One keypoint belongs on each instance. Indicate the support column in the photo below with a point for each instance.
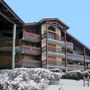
(84, 59)
(65, 50)
(13, 46)
(46, 45)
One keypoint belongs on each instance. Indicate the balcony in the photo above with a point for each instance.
(53, 51)
(30, 37)
(75, 67)
(69, 45)
(30, 50)
(88, 57)
(6, 45)
(31, 63)
(75, 57)
(51, 63)
(55, 39)
(7, 42)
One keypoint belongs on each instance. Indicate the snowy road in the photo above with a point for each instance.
(69, 85)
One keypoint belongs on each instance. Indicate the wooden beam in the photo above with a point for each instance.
(52, 31)
(55, 24)
(4, 10)
(84, 59)
(6, 17)
(47, 44)
(65, 49)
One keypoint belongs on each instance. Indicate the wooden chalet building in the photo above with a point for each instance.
(44, 44)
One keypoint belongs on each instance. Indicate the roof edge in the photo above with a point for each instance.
(79, 41)
(47, 19)
(12, 12)
(50, 19)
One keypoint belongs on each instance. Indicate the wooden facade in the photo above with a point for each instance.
(42, 44)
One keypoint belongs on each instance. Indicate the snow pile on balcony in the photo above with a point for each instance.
(27, 79)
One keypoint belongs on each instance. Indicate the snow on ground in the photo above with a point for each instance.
(27, 79)
(36, 79)
(66, 84)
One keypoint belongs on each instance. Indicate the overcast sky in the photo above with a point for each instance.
(75, 13)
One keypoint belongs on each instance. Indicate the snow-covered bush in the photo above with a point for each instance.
(27, 79)
(76, 75)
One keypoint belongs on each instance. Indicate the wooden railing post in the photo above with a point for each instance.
(13, 46)
(84, 59)
(46, 45)
(65, 50)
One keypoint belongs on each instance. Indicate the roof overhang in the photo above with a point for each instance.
(80, 44)
(7, 13)
(58, 21)
(51, 21)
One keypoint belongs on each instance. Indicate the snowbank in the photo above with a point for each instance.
(27, 79)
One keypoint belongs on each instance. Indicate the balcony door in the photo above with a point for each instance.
(51, 35)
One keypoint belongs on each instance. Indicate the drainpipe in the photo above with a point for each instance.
(13, 46)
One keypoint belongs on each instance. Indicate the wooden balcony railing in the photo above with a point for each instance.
(57, 37)
(75, 67)
(88, 57)
(69, 45)
(51, 49)
(7, 42)
(75, 56)
(88, 68)
(31, 63)
(51, 62)
(31, 36)
(30, 50)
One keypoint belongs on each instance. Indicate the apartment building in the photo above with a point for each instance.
(45, 44)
